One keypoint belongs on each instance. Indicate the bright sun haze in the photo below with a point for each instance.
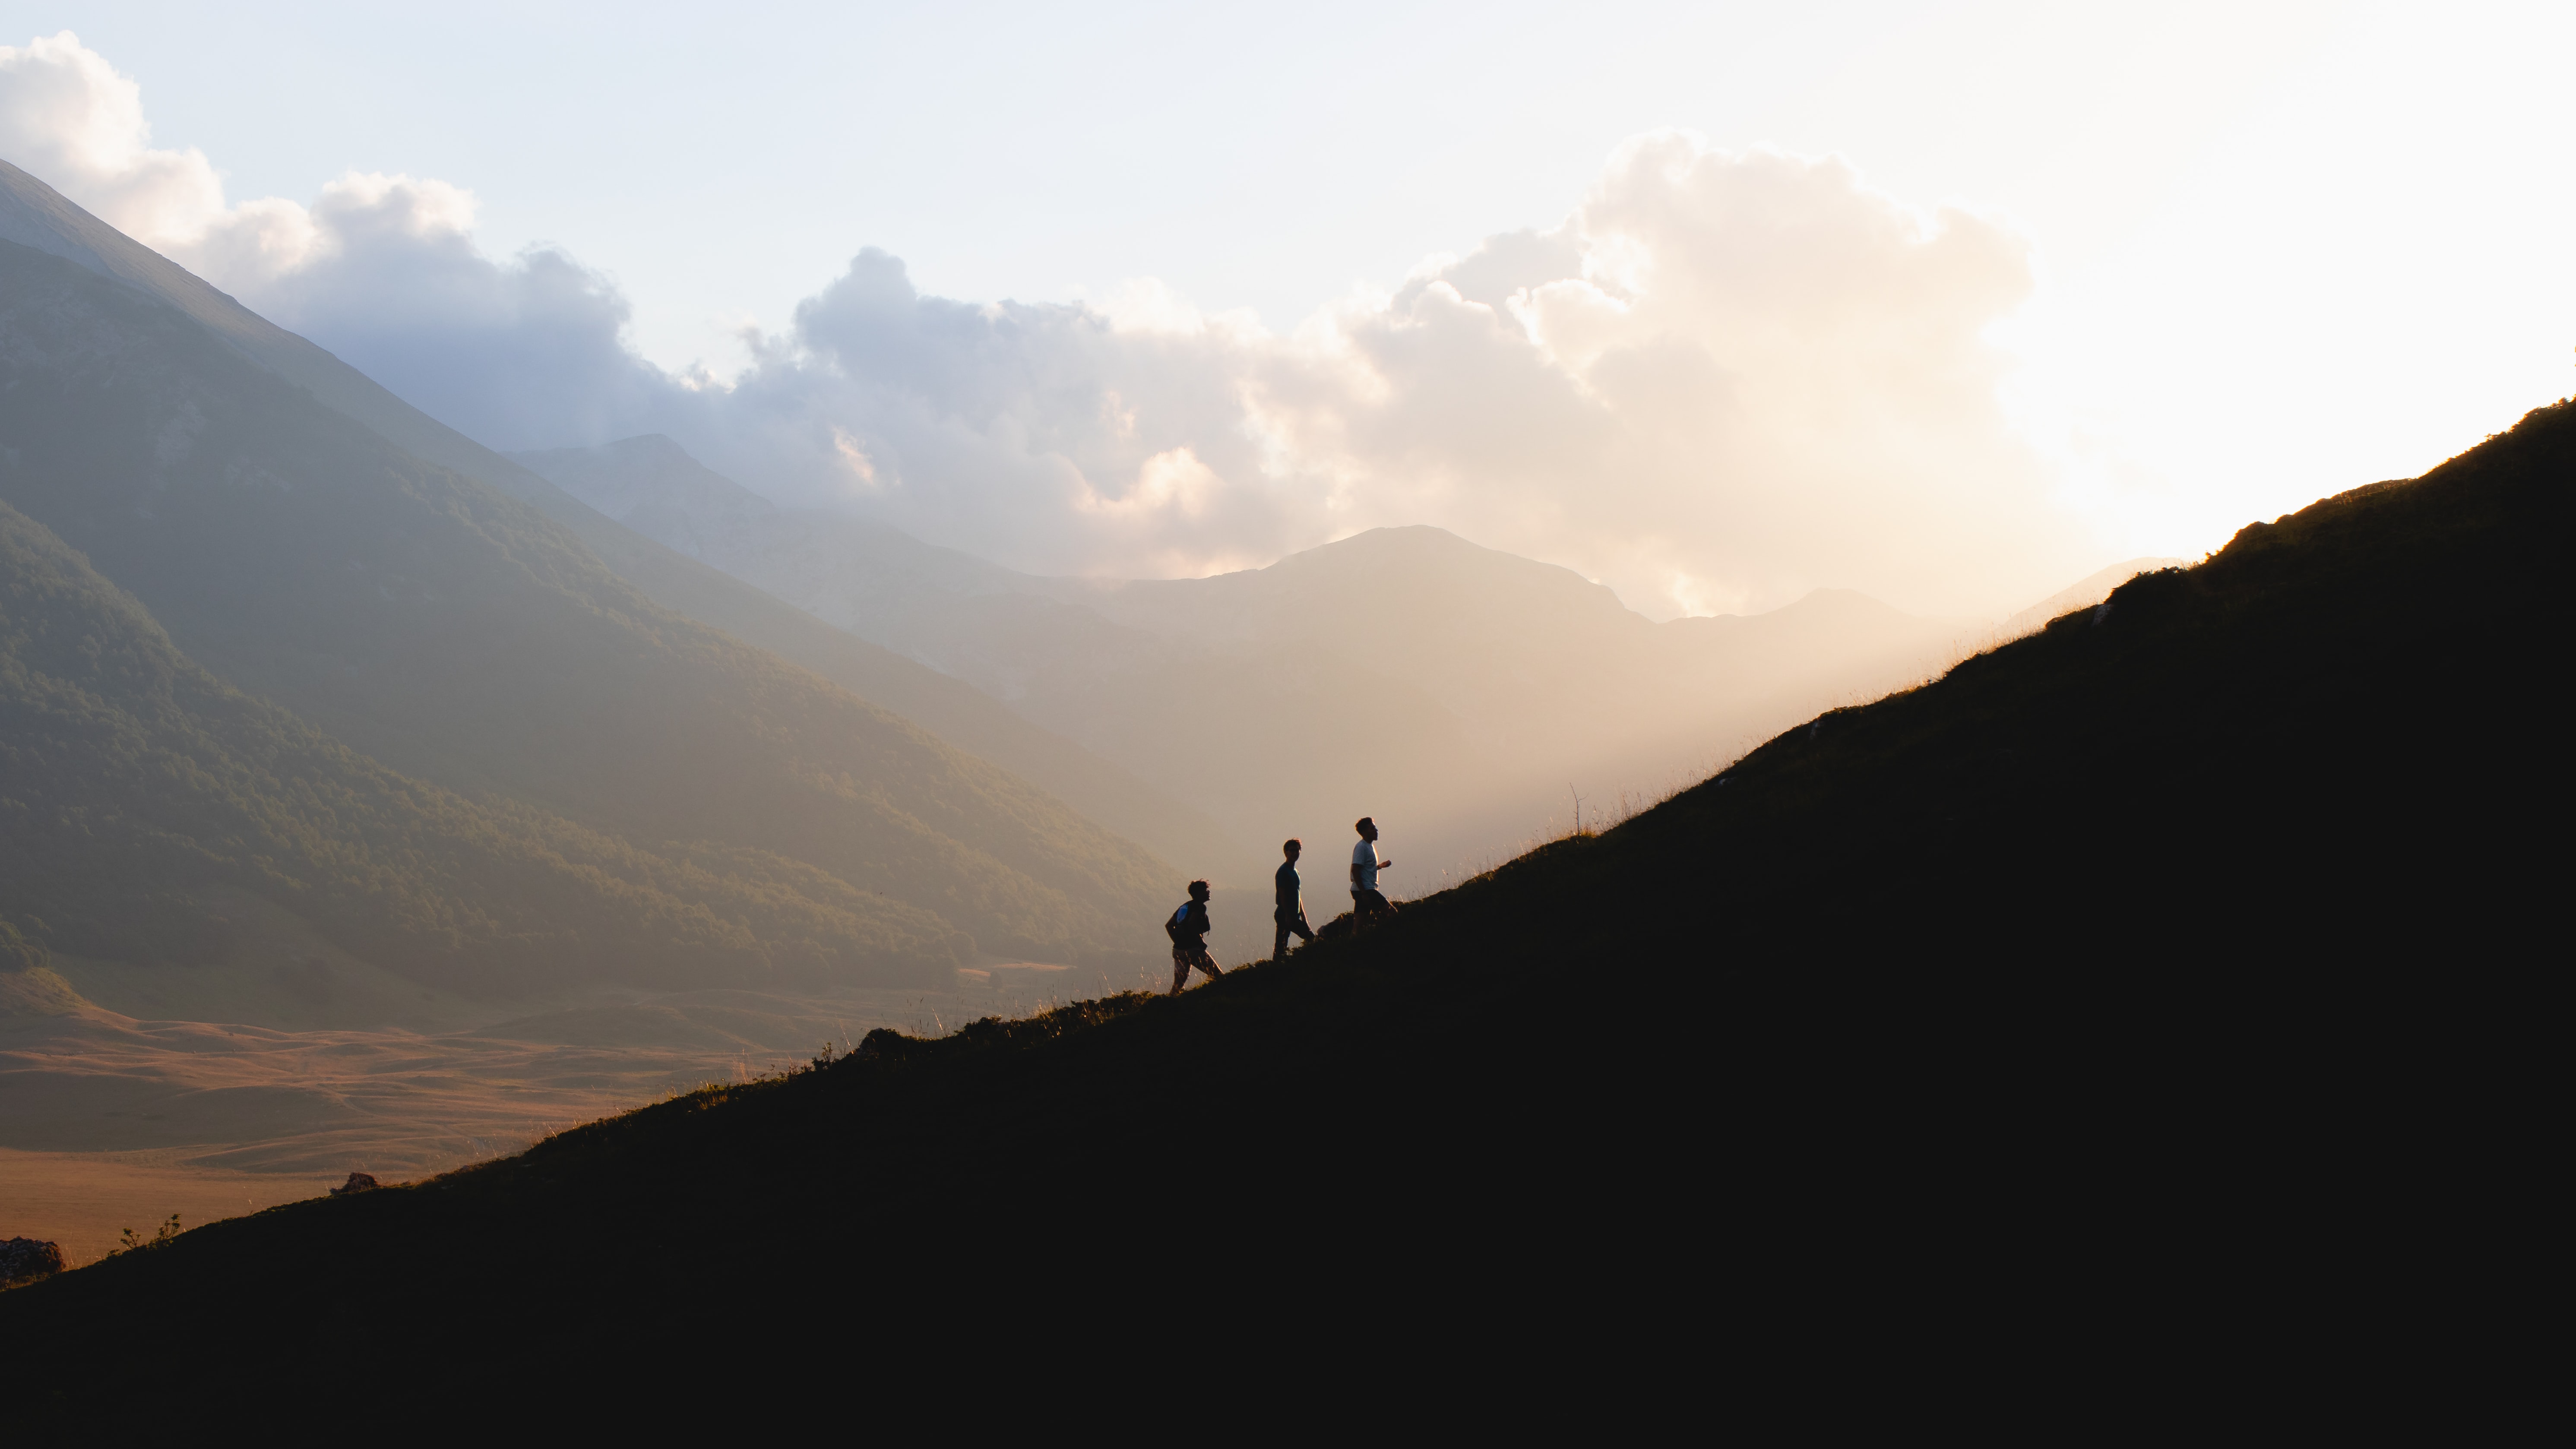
(1715, 304)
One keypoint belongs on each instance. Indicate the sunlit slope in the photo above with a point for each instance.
(134, 784)
(455, 634)
(35, 215)
(2152, 909)
(28, 987)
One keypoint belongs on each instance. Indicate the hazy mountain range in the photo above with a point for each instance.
(33, 215)
(465, 638)
(1455, 692)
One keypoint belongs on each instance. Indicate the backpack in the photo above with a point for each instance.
(1178, 927)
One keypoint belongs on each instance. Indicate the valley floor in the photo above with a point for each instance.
(82, 1201)
(110, 1121)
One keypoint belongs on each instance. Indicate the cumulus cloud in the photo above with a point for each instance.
(381, 269)
(65, 113)
(1726, 378)
(520, 352)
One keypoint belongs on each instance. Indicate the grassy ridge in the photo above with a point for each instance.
(1987, 987)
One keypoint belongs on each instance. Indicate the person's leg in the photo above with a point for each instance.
(1180, 971)
(1206, 963)
(1290, 923)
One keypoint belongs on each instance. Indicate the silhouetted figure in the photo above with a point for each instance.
(1365, 864)
(1288, 907)
(1188, 929)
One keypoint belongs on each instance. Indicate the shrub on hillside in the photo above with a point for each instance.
(17, 953)
(24, 1260)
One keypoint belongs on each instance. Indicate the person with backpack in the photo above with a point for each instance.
(1288, 911)
(1188, 928)
(1366, 900)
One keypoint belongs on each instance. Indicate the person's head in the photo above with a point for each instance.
(1291, 846)
(1366, 827)
(1198, 890)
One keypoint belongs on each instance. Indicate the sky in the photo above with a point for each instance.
(1952, 303)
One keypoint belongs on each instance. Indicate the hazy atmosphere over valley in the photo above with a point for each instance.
(555, 560)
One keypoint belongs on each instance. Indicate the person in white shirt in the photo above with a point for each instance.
(1366, 901)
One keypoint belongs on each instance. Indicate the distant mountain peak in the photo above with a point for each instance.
(656, 447)
(1401, 540)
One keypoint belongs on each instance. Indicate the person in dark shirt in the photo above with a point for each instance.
(1188, 929)
(1288, 911)
(1367, 901)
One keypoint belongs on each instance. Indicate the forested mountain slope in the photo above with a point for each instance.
(34, 215)
(2164, 939)
(458, 635)
(133, 784)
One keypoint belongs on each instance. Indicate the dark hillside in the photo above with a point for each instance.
(133, 783)
(2144, 950)
(454, 634)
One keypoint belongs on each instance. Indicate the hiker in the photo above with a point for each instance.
(1188, 929)
(1365, 864)
(1288, 910)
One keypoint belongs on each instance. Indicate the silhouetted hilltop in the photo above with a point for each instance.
(2086, 592)
(2154, 927)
